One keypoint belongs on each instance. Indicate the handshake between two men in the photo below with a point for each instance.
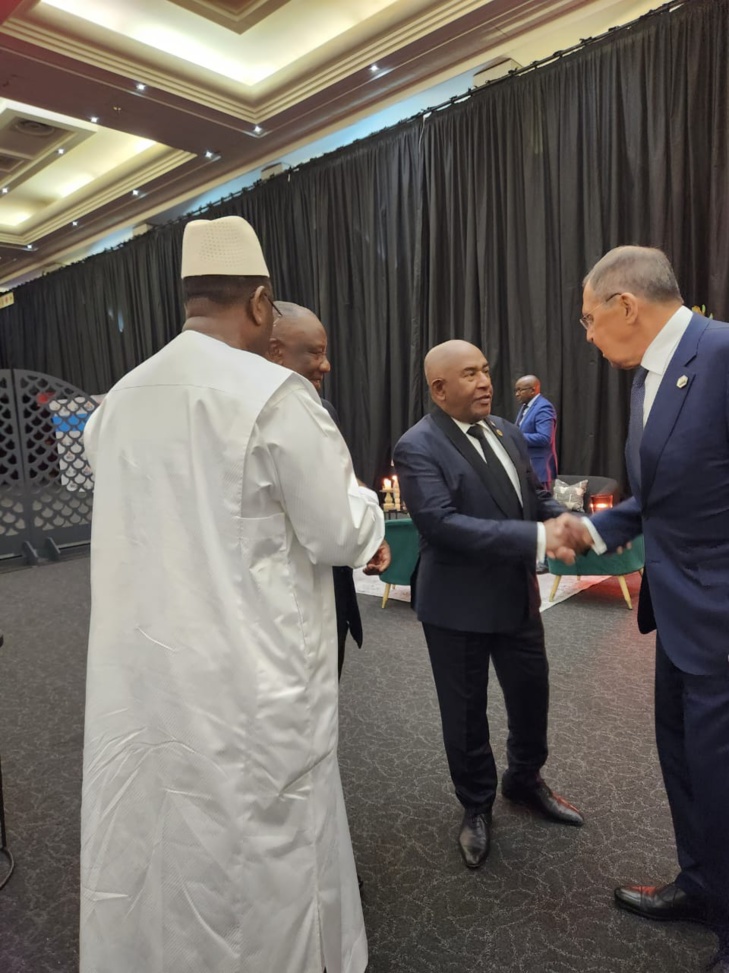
(567, 536)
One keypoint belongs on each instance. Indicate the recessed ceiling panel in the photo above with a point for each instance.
(288, 32)
(237, 15)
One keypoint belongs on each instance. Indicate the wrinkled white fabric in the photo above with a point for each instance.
(214, 834)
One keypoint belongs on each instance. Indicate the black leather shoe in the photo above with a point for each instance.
(664, 902)
(542, 799)
(475, 838)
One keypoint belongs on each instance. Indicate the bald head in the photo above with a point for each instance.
(459, 380)
(299, 342)
(526, 388)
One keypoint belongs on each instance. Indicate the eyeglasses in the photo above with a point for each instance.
(278, 312)
(587, 319)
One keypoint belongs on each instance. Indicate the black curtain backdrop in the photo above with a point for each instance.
(476, 221)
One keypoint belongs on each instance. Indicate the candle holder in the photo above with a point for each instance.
(601, 501)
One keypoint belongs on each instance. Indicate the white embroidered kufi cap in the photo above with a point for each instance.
(228, 246)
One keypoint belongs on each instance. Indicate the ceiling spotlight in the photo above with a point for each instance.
(258, 129)
(140, 86)
(209, 154)
(94, 119)
(29, 246)
(61, 151)
(373, 68)
(74, 222)
(135, 192)
(4, 190)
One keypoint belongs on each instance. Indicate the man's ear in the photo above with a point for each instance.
(260, 308)
(437, 390)
(275, 351)
(630, 305)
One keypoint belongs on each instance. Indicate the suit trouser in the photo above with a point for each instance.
(692, 734)
(460, 662)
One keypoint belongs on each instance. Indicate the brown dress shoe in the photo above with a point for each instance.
(662, 902)
(475, 838)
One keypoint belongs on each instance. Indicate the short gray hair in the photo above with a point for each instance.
(643, 271)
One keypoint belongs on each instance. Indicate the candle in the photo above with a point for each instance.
(387, 484)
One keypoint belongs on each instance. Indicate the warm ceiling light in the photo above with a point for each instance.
(94, 119)
(141, 87)
(374, 67)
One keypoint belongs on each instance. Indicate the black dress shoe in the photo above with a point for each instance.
(542, 799)
(475, 838)
(660, 902)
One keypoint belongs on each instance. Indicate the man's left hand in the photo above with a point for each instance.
(380, 561)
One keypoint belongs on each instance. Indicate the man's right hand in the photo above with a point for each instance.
(567, 536)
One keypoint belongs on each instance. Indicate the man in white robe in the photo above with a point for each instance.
(214, 835)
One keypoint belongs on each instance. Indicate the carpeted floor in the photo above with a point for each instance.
(541, 904)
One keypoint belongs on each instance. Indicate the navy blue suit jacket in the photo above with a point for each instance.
(477, 565)
(683, 504)
(539, 428)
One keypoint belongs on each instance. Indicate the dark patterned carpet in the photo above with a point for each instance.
(542, 903)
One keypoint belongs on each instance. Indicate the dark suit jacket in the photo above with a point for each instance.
(683, 504)
(345, 594)
(477, 565)
(539, 428)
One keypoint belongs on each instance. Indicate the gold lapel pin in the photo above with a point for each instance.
(682, 382)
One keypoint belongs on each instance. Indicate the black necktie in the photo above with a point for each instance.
(496, 467)
(635, 429)
(521, 416)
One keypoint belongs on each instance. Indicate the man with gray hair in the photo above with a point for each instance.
(677, 456)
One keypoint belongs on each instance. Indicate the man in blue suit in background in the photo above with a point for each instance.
(471, 491)
(678, 464)
(537, 422)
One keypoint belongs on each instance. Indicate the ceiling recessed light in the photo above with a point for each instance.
(258, 129)
(94, 119)
(4, 190)
(209, 154)
(29, 246)
(135, 192)
(74, 222)
(61, 151)
(141, 87)
(374, 67)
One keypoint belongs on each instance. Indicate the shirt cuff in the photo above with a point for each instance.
(598, 544)
(541, 543)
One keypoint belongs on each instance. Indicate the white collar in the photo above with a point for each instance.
(660, 351)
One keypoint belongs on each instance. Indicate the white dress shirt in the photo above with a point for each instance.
(655, 360)
(505, 460)
(659, 353)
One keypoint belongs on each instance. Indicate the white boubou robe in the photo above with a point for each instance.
(214, 834)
